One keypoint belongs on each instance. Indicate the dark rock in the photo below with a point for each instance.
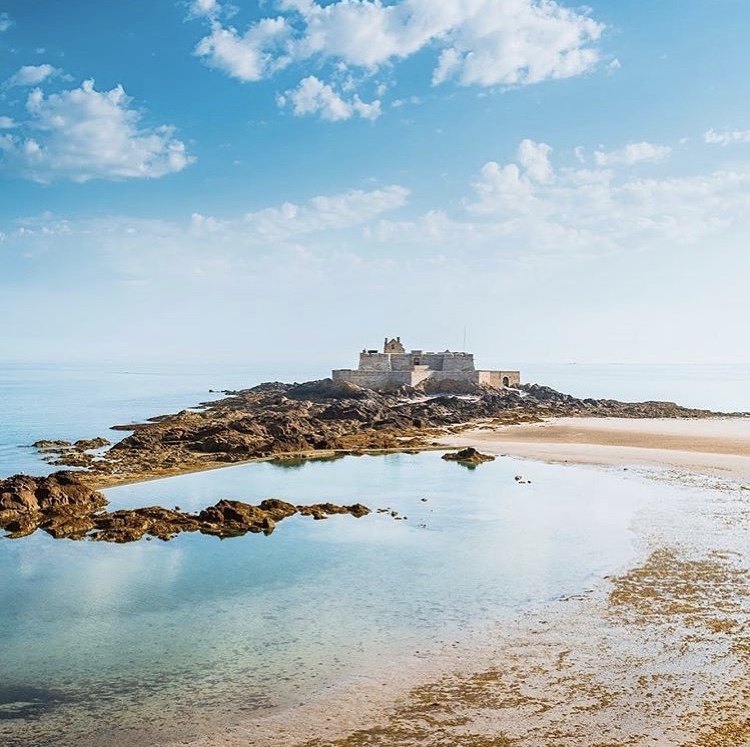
(468, 455)
(61, 499)
(47, 444)
(324, 510)
(91, 443)
(281, 420)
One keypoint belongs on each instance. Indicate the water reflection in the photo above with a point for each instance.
(155, 638)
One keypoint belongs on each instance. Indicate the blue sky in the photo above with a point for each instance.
(205, 180)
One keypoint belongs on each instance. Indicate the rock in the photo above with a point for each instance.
(233, 518)
(324, 510)
(47, 444)
(282, 420)
(65, 507)
(53, 502)
(47, 495)
(468, 456)
(131, 525)
(91, 443)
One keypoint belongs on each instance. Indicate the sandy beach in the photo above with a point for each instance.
(655, 655)
(715, 446)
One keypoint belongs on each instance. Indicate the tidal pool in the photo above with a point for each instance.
(145, 643)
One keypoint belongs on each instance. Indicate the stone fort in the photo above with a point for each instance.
(395, 367)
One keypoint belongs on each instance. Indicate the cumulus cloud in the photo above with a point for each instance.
(5, 22)
(534, 158)
(32, 75)
(727, 137)
(312, 96)
(479, 42)
(602, 209)
(254, 55)
(6, 123)
(631, 154)
(513, 43)
(84, 134)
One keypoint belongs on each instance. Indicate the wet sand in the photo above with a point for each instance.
(712, 446)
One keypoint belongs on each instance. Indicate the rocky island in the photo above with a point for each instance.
(272, 421)
(276, 420)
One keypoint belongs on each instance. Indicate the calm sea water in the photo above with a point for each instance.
(136, 644)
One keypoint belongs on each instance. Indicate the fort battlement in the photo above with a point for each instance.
(395, 367)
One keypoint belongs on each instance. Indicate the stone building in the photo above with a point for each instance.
(395, 367)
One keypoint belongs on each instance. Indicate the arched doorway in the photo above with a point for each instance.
(506, 381)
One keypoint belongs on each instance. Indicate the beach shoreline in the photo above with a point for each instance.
(717, 446)
(607, 666)
(655, 654)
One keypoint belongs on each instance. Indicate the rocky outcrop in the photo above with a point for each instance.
(468, 456)
(27, 503)
(324, 510)
(269, 420)
(91, 443)
(276, 419)
(64, 507)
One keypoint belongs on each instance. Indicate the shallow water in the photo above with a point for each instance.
(112, 645)
(49, 402)
(132, 644)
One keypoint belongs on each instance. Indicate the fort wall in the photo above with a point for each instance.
(373, 379)
(395, 367)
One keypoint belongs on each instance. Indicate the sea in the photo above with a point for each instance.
(152, 642)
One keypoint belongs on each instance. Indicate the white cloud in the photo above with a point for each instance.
(534, 157)
(327, 212)
(6, 123)
(601, 209)
(208, 8)
(32, 75)
(513, 43)
(312, 96)
(727, 137)
(477, 42)
(249, 57)
(5, 22)
(321, 214)
(632, 153)
(84, 134)
(613, 65)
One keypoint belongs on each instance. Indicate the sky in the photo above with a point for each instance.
(267, 182)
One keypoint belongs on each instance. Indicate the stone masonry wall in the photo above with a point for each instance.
(373, 379)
